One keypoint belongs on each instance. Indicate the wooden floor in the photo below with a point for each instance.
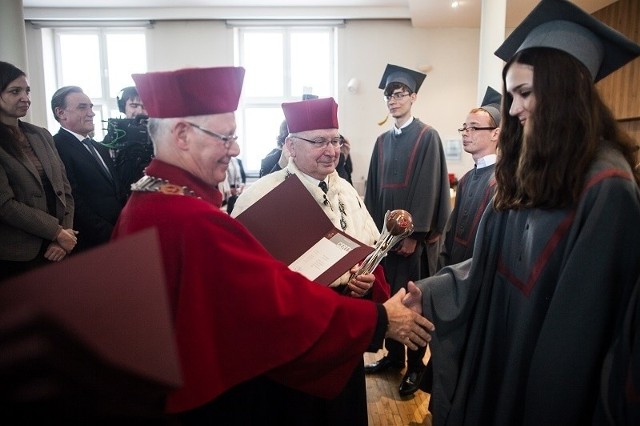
(386, 406)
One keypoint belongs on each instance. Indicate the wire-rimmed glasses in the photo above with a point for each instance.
(226, 140)
(321, 143)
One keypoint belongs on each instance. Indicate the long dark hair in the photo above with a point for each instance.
(9, 73)
(547, 168)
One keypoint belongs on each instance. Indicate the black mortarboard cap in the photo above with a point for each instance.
(491, 103)
(562, 25)
(395, 74)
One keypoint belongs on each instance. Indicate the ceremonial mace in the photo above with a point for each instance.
(398, 225)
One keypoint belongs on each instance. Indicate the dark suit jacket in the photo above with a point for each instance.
(269, 164)
(98, 200)
(24, 220)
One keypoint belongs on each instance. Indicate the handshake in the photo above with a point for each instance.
(406, 323)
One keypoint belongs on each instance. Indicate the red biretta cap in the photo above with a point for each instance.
(190, 91)
(311, 114)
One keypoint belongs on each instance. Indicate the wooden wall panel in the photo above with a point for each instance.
(632, 128)
(621, 90)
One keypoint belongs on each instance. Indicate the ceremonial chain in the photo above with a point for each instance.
(343, 223)
(154, 184)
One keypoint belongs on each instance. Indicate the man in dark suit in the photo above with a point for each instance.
(89, 168)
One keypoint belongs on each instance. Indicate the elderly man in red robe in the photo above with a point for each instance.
(243, 321)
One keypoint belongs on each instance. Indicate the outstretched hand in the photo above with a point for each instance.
(405, 325)
(413, 298)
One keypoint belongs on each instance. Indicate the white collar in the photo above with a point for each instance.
(486, 161)
(398, 131)
(77, 135)
(308, 178)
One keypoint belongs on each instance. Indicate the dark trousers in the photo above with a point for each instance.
(10, 268)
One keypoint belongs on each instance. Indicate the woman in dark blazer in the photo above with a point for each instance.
(36, 206)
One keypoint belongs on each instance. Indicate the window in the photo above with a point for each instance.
(282, 64)
(100, 61)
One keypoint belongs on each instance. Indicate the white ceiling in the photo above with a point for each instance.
(423, 13)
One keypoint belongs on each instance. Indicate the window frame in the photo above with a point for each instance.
(105, 106)
(271, 102)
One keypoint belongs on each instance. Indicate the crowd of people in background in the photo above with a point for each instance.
(526, 293)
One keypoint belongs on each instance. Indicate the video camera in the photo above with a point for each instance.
(123, 132)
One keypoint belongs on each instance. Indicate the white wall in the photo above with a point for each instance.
(35, 73)
(447, 94)
(364, 46)
(180, 44)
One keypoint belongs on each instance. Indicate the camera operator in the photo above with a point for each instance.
(128, 140)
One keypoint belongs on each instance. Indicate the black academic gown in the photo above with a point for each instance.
(619, 401)
(475, 190)
(408, 171)
(523, 327)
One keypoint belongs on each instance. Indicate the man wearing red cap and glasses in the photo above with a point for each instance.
(314, 146)
(242, 321)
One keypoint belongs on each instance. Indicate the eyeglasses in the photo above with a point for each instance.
(471, 129)
(226, 140)
(396, 96)
(321, 143)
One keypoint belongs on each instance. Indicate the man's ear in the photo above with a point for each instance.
(59, 112)
(290, 146)
(180, 131)
(496, 134)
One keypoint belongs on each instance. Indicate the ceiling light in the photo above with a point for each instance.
(454, 4)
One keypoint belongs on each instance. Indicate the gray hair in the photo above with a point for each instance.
(158, 128)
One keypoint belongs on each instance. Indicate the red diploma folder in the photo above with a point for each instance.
(293, 228)
(99, 330)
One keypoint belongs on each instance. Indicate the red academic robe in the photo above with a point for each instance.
(238, 312)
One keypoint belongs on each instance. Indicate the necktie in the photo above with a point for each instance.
(96, 156)
(325, 189)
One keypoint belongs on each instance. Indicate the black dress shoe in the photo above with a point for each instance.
(382, 365)
(411, 381)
